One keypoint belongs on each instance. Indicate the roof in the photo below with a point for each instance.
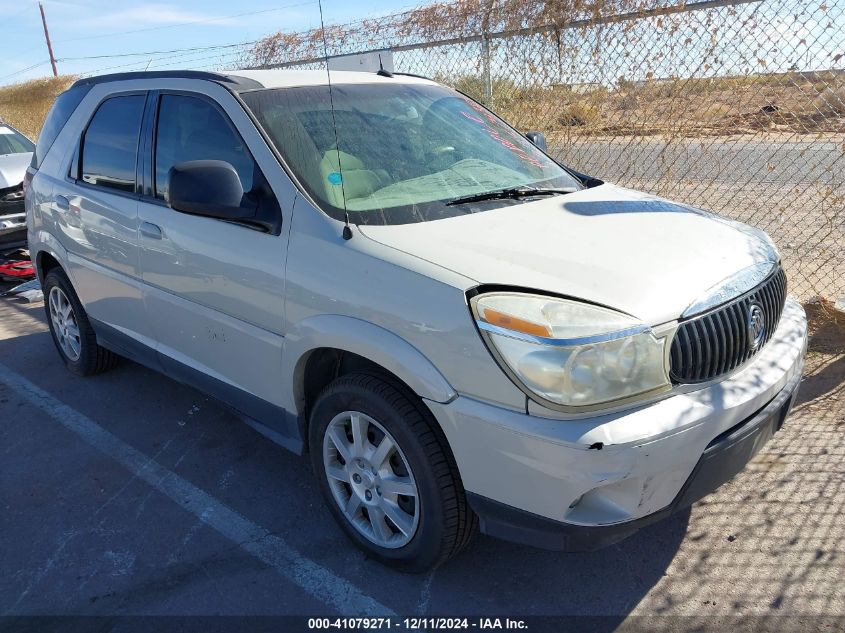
(244, 80)
(292, 78)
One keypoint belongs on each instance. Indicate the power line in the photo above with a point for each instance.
(23, 70)
(8, 18)
(147, 53)
(180, 24)
(166, 26)
(184, 58)
(187, 55)
(191, 62)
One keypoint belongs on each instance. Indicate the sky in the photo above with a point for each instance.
(153, 34)
(92, 28)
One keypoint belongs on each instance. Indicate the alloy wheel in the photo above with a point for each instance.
(371, 479)
(65, 326)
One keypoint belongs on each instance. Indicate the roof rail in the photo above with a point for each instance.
(413, 75)
(232, 81)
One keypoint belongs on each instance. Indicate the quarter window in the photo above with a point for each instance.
(110, 145)
(190, 128)
(65, 105)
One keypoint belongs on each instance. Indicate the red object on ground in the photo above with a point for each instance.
(16, 270)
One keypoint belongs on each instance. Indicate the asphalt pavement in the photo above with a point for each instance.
(130, 494)
(789, 185)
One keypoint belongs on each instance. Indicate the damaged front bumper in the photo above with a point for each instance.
(12, 218)
(587, 483)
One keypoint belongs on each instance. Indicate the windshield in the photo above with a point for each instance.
(405, 150)
(13, 142)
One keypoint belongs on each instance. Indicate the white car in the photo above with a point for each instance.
(15, 156)
(381, 273)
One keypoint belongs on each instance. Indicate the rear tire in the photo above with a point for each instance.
(405, 505)
(72, 333)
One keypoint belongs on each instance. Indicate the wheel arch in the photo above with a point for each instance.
(45, 262)
(324, 347)
(47, 253)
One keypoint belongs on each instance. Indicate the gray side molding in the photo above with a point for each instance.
(365, 339)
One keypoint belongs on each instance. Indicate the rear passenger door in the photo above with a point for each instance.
(95, 213)
(215, 288)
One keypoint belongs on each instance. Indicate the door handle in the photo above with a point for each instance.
(62, 203)
(153, 231)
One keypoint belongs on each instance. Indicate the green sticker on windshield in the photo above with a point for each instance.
(335, 178)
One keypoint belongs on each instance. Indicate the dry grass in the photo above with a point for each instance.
(579, 113)
(25, 105)
(788, 102)
(827, 326)
(830, 101)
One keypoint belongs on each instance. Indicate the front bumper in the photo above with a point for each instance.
(12, 219)
(585, 483)
(723, 458)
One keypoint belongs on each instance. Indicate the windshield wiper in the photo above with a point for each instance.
(509, 193)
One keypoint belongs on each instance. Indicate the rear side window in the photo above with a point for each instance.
(13, 142)
(63, 107)
(190, 128)
(110, 145)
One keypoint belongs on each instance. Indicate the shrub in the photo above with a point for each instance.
(831, 101)
(579, 113)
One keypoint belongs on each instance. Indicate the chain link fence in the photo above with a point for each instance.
(737, 106)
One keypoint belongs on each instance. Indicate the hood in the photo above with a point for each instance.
(12, 168)
(627, 250)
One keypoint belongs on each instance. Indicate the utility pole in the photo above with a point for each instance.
(47, 37)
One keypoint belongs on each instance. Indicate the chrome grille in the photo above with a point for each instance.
(717, 342)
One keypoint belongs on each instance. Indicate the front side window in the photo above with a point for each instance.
(400, 152)
(13, 142)
(110, 145)
(191, 128)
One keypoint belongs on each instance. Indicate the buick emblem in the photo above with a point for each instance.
(756, 327)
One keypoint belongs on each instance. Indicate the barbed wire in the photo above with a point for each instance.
(733, 105)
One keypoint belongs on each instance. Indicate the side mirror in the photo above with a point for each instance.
(209, 188)
(538, 138)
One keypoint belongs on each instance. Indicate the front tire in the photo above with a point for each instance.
(386, 473)
(72, 333)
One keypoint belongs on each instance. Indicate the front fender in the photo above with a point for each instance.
(372, 342)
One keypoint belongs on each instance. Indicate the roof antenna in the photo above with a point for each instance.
(381, 71)
(347, 231)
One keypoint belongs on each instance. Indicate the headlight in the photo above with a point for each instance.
(569, 353)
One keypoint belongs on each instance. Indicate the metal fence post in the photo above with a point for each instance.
(488, 81)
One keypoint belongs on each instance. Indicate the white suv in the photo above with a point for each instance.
(458, 330)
